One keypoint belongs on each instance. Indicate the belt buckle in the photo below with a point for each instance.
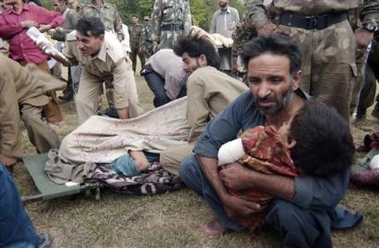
(311, 22)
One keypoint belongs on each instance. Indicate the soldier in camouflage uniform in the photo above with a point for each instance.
(327, 40)
(136, 36)
(170, 19)
(244, 32)
(108, 14)
(147, 43)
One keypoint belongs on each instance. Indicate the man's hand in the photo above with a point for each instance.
(44, 47)
(42, 28)
(29, 24)
(266, 29)
(363, 38)
(123, 113)
(142, 49)
(236, 176)
(7, 161)
(155, 46)
(241, 206)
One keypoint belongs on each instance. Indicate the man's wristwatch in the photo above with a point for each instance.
(370, 26)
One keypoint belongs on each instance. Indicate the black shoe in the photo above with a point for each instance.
(375, 113)
(69, 96)
(361, 114)
(45, 240)
(110, 112)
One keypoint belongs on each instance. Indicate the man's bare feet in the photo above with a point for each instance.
(214, 229)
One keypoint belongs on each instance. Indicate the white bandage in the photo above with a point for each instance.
(374, 162)
(230, 152)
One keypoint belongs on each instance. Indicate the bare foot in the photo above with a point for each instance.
(214, 229)
(140, 159)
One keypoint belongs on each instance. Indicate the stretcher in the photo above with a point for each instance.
(48, 190)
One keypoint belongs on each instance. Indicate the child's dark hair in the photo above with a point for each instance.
(324, 145)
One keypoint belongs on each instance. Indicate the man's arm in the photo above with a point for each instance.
(197, 107)
(8, 30)
(307, 192)
(47, 19)
(118, 25)
(256, 10)
(369, 13)
(209, 167)
(239, 177)
(122, 78)
(187, 21)
(156, 20)
(212, 27)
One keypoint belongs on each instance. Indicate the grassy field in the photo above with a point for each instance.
(167, 220)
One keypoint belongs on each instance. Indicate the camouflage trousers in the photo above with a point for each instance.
(168, 38)
(328, 63)
(371, 74)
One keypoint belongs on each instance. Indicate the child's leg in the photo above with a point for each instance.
(140, 159)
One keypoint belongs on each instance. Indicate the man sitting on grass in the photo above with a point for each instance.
(304, 208)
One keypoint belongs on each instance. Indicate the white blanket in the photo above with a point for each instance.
(102, 139)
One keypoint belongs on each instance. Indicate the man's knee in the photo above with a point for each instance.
(188, 169)
(297, 226)
(171, 157)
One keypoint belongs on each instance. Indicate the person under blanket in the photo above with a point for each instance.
(168, 131)
(316, 141)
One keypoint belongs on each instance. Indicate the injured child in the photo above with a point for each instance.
(315, 141)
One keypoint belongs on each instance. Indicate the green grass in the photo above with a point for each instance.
(167, 220)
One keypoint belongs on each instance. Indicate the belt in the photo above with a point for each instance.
(171, 27)
(311, 22)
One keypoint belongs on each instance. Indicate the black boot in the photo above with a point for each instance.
(67, 96)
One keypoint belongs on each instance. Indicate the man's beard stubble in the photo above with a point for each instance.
(281, 105)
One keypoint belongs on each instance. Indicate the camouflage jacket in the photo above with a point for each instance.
(369, 9)
(136, 35)
(108, 14)
(243, 33)
(170, 12)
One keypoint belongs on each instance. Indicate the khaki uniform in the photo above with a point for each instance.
(209, 91)
(170, 19)
(110, 65)
(25, 89)
(328, 61)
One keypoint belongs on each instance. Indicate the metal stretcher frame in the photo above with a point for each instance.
(48, 190)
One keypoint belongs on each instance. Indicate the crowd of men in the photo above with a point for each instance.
(331, 56)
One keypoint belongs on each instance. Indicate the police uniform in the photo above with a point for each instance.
(25, 90)
(110, 66)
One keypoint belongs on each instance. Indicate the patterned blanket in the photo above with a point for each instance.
(154, 180)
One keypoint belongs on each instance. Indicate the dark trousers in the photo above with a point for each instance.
(296, 226)
(156, 84)
(133, 57)
(16, 228)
